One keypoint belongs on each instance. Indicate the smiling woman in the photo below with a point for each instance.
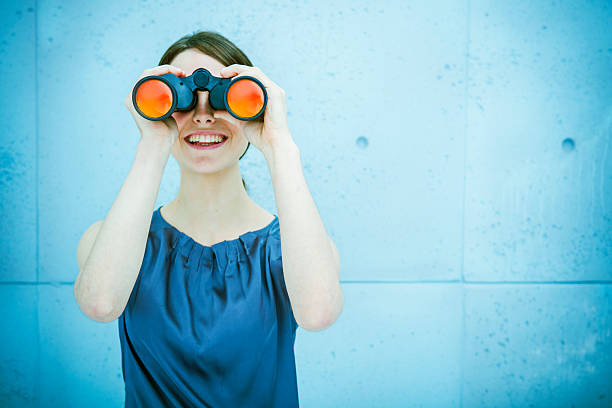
(207, 320)
(214, 45)
(203, 300)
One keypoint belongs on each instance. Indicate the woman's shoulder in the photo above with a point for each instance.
(273, 227)
(263, 220)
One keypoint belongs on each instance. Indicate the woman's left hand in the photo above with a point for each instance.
(273, 131)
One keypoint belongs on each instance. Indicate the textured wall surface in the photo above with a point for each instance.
(459, 153)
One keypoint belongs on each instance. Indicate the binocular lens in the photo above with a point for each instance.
(245, 98)
(154, 98)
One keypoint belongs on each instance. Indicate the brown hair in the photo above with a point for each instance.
(212, 44)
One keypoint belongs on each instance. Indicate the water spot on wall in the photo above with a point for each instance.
(362, 142)
(568, 144)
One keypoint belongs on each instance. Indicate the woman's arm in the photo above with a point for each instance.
(110, 260)
(311, 264)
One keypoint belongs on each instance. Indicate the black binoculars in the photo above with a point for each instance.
(156, 97)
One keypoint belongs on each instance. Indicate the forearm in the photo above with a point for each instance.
(309, 266)
(107, 279)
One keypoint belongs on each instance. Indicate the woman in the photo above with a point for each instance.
(207, 312)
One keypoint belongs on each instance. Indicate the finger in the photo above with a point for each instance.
(167, 68)
(158, 71)
(233, 69)
(162, 69)
(256, 72)
(242, 70)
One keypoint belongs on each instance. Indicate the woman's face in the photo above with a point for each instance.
(204, 117)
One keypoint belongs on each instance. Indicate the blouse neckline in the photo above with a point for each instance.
(218, 244)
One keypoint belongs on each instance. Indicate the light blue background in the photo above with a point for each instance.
(459, 154)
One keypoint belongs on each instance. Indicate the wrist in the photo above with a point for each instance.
(153, 150)
(277, 152)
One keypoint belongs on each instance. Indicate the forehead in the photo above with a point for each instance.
(192, 59)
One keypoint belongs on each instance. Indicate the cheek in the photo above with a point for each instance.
(179, 118)
(239, 132)
(240, 141)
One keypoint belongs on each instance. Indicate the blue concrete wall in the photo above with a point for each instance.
(459, 154)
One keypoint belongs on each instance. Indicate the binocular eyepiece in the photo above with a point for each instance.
(156, 97)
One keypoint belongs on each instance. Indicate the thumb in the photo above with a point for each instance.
(171, 123)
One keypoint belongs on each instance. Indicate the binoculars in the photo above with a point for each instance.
(156, 97)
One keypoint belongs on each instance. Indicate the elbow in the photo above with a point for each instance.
(313, 326)
(100, 312)
(324, 320)
(318, 324)
(104, 315)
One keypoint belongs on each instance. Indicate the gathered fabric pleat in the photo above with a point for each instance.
(209, 326)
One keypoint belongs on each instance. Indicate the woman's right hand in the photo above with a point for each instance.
(164, 132)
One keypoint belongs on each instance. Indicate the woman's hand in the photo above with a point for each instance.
(165, 131)
(273, 131)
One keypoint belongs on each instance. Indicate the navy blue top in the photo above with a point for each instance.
(209, 326)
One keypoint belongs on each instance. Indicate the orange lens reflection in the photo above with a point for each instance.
(154, 98)
(245, 98)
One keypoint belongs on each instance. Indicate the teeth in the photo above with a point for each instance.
(205, 138)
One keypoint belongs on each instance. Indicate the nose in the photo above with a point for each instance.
(203, 112)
